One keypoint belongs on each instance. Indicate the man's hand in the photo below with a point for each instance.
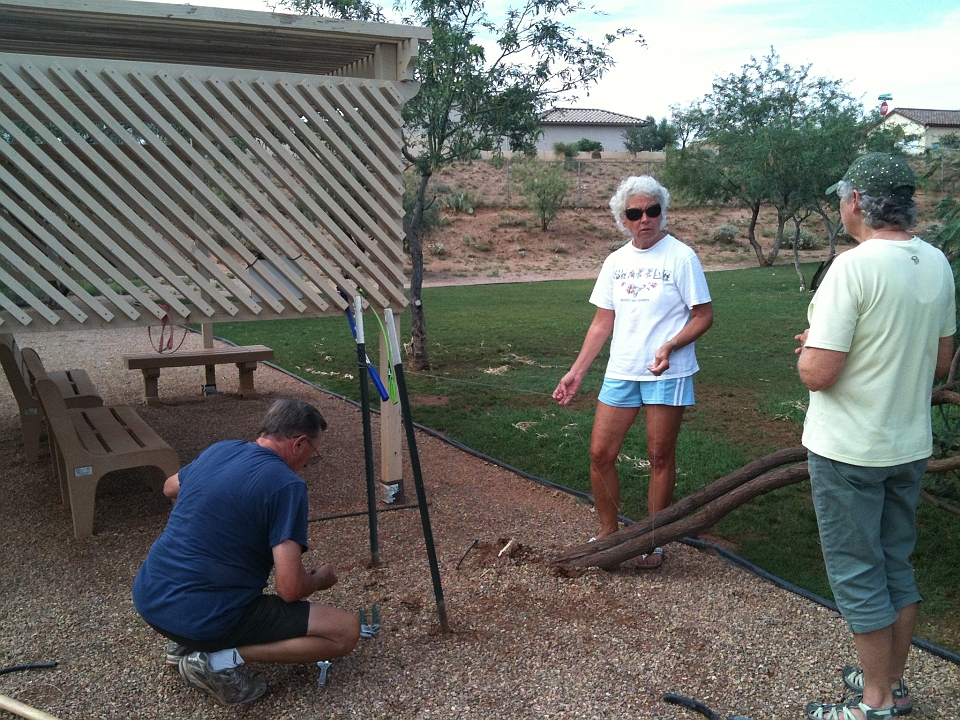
(802, 339)
(325, 576)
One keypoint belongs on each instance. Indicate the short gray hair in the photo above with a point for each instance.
(638, 185)
(882, 212)
(290, 418)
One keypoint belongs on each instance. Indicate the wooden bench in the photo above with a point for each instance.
(22, 369)
(88, 443)
(245, 357)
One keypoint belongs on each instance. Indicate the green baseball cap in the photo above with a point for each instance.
(880, 175)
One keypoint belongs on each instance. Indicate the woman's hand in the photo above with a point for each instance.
(661, 361)
(569, 384)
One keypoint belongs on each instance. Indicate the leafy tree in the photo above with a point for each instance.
(653, 136)
(545, 186)
(588, 145)
(771, 134)
(468, 102)
(950, 140)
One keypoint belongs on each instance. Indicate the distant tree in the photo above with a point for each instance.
(468, 102)
(545, 186)
(950, 140)
(772, 134)
(650, 138)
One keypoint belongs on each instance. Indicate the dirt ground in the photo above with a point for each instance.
(500, 239)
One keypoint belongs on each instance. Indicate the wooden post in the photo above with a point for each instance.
(391, 435)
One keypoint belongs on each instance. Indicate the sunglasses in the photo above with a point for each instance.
(634, 214)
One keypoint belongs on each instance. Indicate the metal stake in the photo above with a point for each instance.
(415, 466)
(367, 433)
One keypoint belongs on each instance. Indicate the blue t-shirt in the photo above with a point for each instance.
(237, 501)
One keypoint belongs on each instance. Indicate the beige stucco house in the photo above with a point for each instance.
(928, 126)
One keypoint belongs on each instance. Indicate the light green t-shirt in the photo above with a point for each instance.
(886, 304)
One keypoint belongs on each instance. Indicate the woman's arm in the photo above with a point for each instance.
(701, 318)
(598, 333)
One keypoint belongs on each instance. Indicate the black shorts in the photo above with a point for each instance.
(267, 619)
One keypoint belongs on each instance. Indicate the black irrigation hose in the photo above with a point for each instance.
(28, 666)
(693, 542)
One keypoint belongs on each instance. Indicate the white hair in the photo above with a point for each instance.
(638, 185)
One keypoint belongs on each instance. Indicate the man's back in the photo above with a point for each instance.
(236, 501)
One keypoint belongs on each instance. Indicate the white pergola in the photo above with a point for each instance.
(196, 163)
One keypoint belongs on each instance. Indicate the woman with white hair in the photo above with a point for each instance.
(652, 297)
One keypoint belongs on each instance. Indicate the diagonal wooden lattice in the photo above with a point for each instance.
(133, 190)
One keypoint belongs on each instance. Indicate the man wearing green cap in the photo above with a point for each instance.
(881, 328)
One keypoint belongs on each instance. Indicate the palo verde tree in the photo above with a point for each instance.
(771, 134)
(469, 101)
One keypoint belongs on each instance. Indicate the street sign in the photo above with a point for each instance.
(885, 96)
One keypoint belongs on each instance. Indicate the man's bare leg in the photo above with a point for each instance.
(331, 633)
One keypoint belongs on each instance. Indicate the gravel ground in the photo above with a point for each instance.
(526, 642)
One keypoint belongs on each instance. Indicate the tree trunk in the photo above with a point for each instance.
(752, 233)
(687, 505)
(419, 354)
(796, 255)
(775, 250)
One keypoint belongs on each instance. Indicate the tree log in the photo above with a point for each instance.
(689, 504)
(693, 524)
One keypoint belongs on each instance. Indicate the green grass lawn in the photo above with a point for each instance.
(499, 351)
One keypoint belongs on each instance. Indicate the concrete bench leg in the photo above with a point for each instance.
(150, 391)
(247, 390)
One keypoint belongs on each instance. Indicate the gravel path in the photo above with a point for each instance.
(526, 642)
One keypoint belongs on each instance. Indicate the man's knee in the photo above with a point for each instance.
(339, 627)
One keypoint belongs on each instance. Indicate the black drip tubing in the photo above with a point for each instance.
(28, 666)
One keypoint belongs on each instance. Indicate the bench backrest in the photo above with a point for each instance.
(17, 375)
(58, 418)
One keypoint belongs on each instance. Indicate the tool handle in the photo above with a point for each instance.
(392, 337)
(358, 317)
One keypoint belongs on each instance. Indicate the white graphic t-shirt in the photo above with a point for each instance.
(651, 292)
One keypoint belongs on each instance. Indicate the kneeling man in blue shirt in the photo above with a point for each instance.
(240, 510)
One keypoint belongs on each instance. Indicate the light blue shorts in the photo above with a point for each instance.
(868, 529)
(636, 393)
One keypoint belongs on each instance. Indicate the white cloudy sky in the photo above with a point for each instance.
(908, 48)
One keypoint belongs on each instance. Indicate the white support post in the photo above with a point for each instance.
(391, 428)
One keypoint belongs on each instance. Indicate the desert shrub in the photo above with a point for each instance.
(590, 146)
(511, 220)
(470, 242)
(558, 249)
(725, 235)
(544, 186)
(437, 249)
(808, 240)
(566, 150)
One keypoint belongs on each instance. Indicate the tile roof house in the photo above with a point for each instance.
(927, 125)
(572, 124)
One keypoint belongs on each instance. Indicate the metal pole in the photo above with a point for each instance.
(415, 466)
(367, 433)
